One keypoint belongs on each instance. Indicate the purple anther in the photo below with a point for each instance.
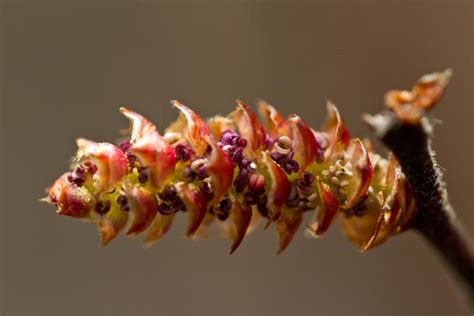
(239, 185)
(291, 166)
(242, 142)
(250, 198)
(107, 206)
(165, 209)
(319, 155)
(279, 158)
(228, 148)
(237, 156)
(190, 175)
(169, 194)
(244, 163)
(308, 178)
(227, 137)
(70, 178)
(142, 175)
(201, 173)
(257, 183)
(122, 199)
(269, 142)
(303, 186)
(206, 190)
(225, 205)
(91, 168)
(79, 182)
(235, 140)
(183, 152)
(131, 159)
(80, 170)
(125, 145)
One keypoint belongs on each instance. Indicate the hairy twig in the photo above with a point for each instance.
(410, 141)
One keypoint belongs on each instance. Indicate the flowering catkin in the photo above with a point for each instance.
(237, 172)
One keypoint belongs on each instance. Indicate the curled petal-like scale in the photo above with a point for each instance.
(157, 155)
(381, 214)
(280, 186)
(112, 222)
(287, 225)
(158, 228)
(306, 146)
(242, 217)
(409, 106)
(327, 209)
(140, 125)
(70, 199)
(110, 160)
(202, 230)
(250, 128)
(237, 225)
(363, 173)
(335, 129)
(151, 148)
(143, 208)
(196, 205)
(221, 169)
(365, 228)
(228, 170)
(275, 123)
(192, 126)
(399, 205)
(218, 125)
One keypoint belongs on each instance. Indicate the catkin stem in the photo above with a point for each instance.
(435, 218)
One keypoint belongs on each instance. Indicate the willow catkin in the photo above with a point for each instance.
(237, 172)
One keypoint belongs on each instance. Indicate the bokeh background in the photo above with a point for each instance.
(68, 65)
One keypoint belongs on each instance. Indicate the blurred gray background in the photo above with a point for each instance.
(68, 65)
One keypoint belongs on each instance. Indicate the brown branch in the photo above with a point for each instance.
(435, 218)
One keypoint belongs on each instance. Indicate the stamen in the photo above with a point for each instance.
(237, 156)
(278, 157)
(250, 198)
(283, 145)
(334, 180)
(257, 183)
(123, 202)
(102, 208)
(206, 189)
(201, 173)
(225, 206)
(166, 209)
(183, 152)
(125, 145)
(142, 175)
(308, 178)
(242, 142)
(344, 183)
(197, 164)
(303, 186)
